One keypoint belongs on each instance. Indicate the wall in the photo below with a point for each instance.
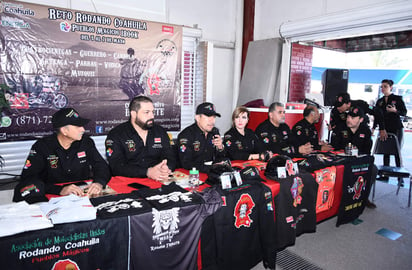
(300, 72)
(270, 14)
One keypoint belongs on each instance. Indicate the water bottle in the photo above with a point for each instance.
(193, 179)
(348, 149)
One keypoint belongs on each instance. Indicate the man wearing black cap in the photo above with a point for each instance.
(340, 110)
(200, 143)
(66, 156)
(139, 147)
(355, 132)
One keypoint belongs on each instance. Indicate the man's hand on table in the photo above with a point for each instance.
(306, 149)
(325, 147)
(92, 189)
(72, 189)
(159, 172)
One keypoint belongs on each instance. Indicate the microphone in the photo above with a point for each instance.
(214, 131)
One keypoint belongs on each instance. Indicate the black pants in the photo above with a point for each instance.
(399, 134)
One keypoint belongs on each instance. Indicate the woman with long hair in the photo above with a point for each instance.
(241, 142)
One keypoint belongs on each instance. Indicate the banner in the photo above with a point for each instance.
(99, 244)
(357, 181)
(52, 58)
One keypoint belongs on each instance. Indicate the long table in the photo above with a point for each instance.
(105, 243)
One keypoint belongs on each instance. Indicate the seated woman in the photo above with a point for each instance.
(242, 143)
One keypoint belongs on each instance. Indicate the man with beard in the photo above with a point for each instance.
(304, 132)
(138, 147)
(200, 143)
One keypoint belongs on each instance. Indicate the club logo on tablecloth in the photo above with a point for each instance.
(165, 224)
(171, 197)
(242, 211)
(114, 206)
(357, 188)
(65, 265)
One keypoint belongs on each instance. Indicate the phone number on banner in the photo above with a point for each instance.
(24, 120)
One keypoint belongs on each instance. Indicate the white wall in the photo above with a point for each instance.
(270, 14)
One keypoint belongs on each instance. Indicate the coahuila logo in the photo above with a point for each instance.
(5, 121)
(12, 8)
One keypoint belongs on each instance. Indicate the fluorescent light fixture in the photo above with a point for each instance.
(375, 19)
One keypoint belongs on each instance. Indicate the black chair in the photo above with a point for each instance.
(391, 147)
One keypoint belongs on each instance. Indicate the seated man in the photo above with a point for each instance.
(355, 132)
(343, 104)
(66, 156)
(139, 147)
(304, 132)
(358, 134)
(274, 133)
(200, 143)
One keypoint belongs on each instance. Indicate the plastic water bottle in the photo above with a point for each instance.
(348, 149)
(193, 179)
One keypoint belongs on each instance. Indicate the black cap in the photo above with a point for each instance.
(32, 192)
(341, 99)
(272, 165)
(356, 111)
(207, 109)
(68, 116)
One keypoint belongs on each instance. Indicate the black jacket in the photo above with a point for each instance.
(239, 147)
(362, 139)
(275, 139)
(195, 149)
(392, 120)
(338, 120)
(304, 132)
(50, 163)
(127, 154)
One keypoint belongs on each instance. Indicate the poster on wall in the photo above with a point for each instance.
(52, 58)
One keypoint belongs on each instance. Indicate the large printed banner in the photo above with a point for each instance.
(99, 244)
(51, 58)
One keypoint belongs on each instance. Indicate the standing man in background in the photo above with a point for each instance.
(139, 147)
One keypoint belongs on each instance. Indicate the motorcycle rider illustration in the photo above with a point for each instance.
(45, 91)
(130, 75)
